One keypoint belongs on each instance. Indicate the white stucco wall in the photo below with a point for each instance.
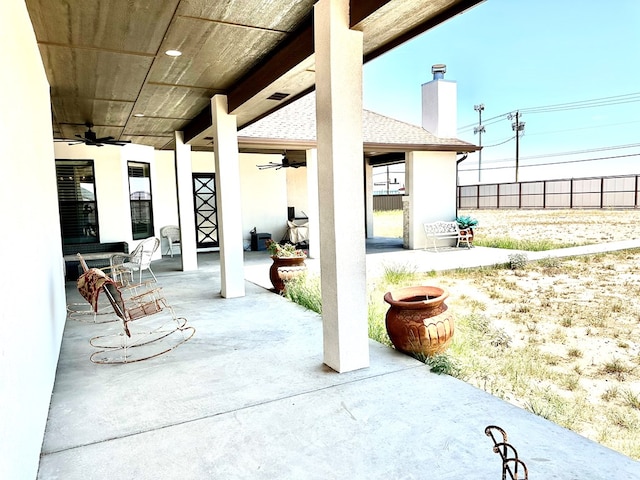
(431, 192)
(33, 311)
(440, 107)
(297, 195)
(264, 196)
(112, 186)
(263, 192)
(164, 190)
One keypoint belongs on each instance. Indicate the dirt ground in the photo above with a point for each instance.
(578, 227)
(577, 318)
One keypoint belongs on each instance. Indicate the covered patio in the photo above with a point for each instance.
(249, 397)
(255, 393)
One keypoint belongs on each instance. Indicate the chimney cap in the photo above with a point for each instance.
(438, 70)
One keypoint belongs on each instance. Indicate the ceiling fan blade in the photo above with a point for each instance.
(277, 166)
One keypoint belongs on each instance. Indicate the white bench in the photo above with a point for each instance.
(439, 230)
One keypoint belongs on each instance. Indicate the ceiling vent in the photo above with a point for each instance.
(278, 96)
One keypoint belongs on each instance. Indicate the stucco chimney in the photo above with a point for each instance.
(440, 104)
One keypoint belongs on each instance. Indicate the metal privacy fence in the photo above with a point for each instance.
(592, 192)
(387, 202)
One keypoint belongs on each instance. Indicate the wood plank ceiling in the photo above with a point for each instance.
(105, 60)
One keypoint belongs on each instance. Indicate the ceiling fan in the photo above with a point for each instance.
(90, 138)
(286, 163)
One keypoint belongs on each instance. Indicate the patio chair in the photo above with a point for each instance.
(157, 330)
(137, 261)
(172, 234)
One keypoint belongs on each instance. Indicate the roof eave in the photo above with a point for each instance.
(247, 143)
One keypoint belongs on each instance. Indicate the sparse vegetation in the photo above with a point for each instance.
(559, 337)
(518, 261)
(305, 290)
(519, 244)
(396, 274)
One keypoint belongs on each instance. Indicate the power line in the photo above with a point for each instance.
(584, 128)
(501, 143)
(487, 121)
(558, 163)
(558, 107)
(571, 152)
(597, 102)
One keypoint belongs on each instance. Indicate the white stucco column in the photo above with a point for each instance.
(431, 192)
(312, 203)
(341, 187)
(225, 144)
(368, 197)
(184, 194)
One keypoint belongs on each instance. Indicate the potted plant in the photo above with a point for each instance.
(466, 224)
(288, 263)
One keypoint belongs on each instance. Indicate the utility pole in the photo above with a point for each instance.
(387, 179)
(517, 126)
(479, 130)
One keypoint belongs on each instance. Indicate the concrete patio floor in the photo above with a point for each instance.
(248, 397)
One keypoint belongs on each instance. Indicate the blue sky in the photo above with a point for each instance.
(518, 55)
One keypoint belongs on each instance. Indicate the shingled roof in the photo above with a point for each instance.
(295, 125)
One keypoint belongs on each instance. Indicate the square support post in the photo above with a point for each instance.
(184, 192)
(341, 187)
(228, 198)
(312, 203)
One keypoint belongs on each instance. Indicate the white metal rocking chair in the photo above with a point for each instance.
(157, 329)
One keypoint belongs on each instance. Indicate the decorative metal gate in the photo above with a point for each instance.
(204, 193)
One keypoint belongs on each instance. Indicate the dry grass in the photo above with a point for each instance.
(559, 337)
(577, 227)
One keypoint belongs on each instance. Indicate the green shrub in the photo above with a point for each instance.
(441, 363)
(395, 274)
(305, 290)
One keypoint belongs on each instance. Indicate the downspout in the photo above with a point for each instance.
(458, 162)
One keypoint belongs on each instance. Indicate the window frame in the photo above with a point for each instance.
(141, 207)
(79, 219)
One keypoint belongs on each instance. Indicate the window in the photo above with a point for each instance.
(77, 201)
(140, 200)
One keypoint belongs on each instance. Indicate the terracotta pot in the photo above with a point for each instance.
(418, 320)
(469, 233)
(285, 268)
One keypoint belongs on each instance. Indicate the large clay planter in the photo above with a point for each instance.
(289, 267)
(468, 233)
(418, 321)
